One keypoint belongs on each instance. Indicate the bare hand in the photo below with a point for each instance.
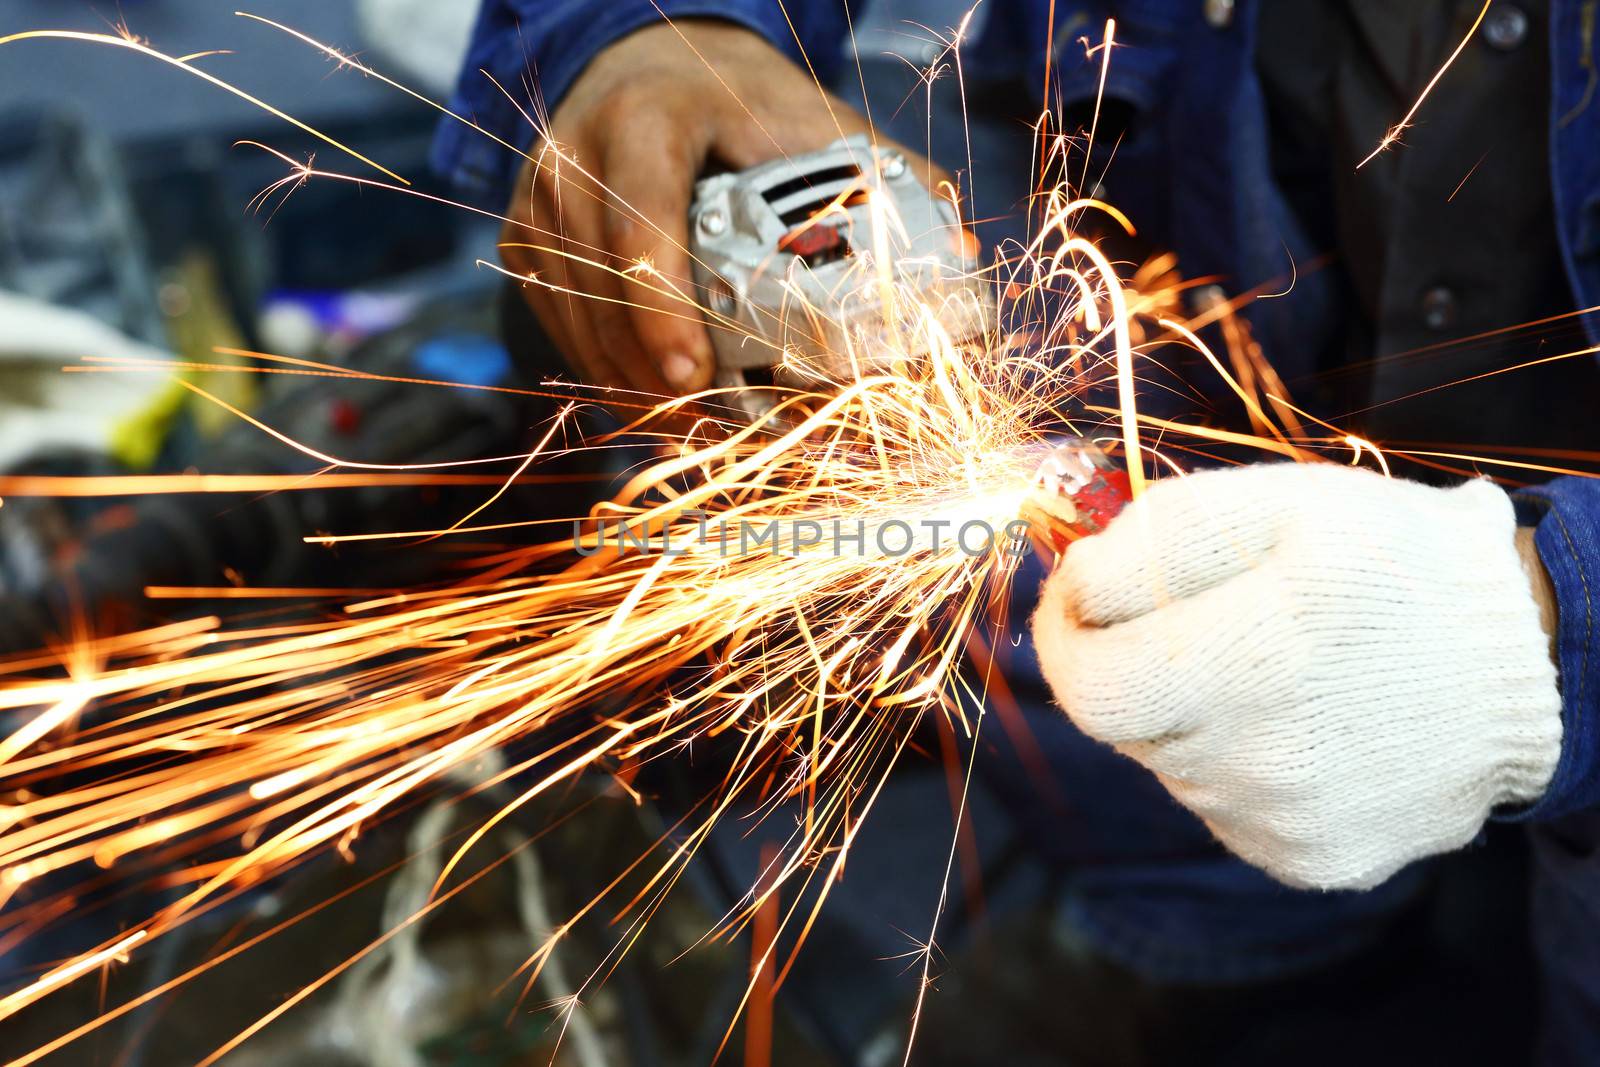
(643, 120)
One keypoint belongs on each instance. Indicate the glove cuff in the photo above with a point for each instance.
(1515, 705)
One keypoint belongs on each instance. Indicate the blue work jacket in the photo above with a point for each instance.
(1149, 886)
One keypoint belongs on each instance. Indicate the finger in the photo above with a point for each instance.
(1185, 535)
(572, 314)
(532, 279)
(613, 320)
(528, 228)
(1158, 675)
(603, 340)
(567, 220)
(647, 230)
(537, 297)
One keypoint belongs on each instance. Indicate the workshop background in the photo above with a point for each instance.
(130, 228)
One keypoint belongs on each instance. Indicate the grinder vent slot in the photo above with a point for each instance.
(823, 182)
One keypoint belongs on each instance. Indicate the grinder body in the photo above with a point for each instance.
(788, 260)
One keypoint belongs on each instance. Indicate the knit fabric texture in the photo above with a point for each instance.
(1339, 672)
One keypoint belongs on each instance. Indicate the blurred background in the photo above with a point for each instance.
(129, 228)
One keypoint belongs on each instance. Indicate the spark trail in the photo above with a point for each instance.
(222, 757)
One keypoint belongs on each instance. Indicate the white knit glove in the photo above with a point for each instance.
(1338, 672)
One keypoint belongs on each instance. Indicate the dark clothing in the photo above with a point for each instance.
(1242, 124)
(1448, 236)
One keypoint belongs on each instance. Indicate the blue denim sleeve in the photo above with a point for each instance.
(535, 50)
(1566, 516)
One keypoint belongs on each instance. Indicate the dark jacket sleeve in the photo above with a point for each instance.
(535, 50)
(1566, 517)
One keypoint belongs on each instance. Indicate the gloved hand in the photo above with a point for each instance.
(1338, 672)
